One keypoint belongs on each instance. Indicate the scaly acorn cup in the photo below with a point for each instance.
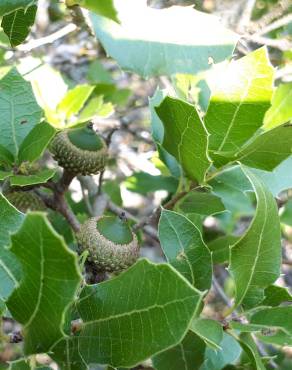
(111, 244)
(25, 201)
(79, 151)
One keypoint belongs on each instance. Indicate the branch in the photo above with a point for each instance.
(275, 25)
(282, 44)
(57, 201)
(151, 231)
(245, 15)
(276, 12)
(221, 292)
(157, 212)
(34, 44)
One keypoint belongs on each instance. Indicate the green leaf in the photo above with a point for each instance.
(184, 248)
(220, 248)
(10, 269)
(276, 317)
(95, 107)
(275, 295)
(113, 190)
(279, 179)
(40, 306)
(19, 365)
(185, 137)
(143, 183)
(19, 110)
(180, 40)
(201, 203)
(36, 142)
(267, 150)
(8, 6)
(106, 8)
(216, 360)
(156, 123)
(10, 273)
(17, 24)
(39, 178)
(245, 328)
(158, 134)
(247, 343)
(286, 216)
(281, 110)
(187, 355)
(145, 302)
(74, 101)
(49, 88)
(66, 354)
(231, 186)
(208, 330)
(5, 174)
(255, 259)
(240, 97)
(5, 156)
(98, 74)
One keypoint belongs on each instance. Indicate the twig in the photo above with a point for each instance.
(156, 213)
(33, 44)
(275, 25)
(57, 201)
(283, 72)
(221, 292)
(276, 12)
(86, 199)
(137, 135)
(151, 231)
(263, 351)
(78, 18)
(110, 134)
(281, 44)
(100, 180)
(245, 16)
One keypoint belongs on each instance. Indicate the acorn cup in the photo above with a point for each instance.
(80, 151)
(111, 244)
(25, 201)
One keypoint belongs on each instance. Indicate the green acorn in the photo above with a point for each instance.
(79, 151)
(111, 244)
(25, 201)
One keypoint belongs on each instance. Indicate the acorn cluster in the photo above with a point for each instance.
(111, 244)
(109, 240)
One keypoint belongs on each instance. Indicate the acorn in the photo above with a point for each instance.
(111, 244)
(25, 201)
(80, 151)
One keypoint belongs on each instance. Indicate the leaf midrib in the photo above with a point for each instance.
(143, 310)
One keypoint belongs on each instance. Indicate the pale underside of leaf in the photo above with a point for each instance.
(180, 39)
